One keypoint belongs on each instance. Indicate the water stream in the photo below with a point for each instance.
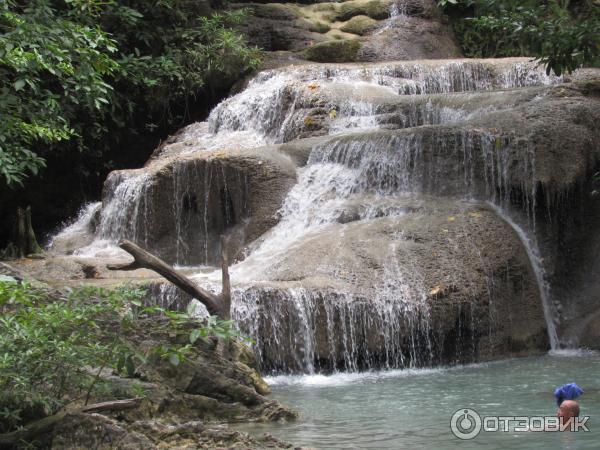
(537, 264)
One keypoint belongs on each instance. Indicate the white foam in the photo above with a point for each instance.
(81, 223)
(573, 352)
(348, 378)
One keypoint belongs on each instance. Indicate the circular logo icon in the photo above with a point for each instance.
(465, 424)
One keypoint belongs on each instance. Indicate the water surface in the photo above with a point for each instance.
(412, 408)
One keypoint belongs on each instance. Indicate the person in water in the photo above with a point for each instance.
(568, 407)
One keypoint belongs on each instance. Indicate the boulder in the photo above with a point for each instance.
(344, 50)
(415, 289)
(211, 192)
(415, 31)
(359, 25)
(375, 9)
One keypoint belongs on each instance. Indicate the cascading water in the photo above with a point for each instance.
(538, 266)
(389, 136)
(120, 215)
(77, 233)
(267, 110)
(346, 171)
(398, 12)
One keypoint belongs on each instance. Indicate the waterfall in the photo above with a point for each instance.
(81, 228)
(121, 216)
(307, 331)
(266, 111)
(398, 9)
(385, 144)
(398, 13)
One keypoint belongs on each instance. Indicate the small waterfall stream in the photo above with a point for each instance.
(538, 266)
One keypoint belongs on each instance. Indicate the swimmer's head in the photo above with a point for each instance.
(568, 409)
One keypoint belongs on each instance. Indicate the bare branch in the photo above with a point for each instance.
(144, 259)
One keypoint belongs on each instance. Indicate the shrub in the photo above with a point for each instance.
(48, 344)
(54, 346)
(562, 34)
(84, 74)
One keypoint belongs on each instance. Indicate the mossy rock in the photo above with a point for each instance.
(375, 9)
(333, 51)
(319, 27)
(273, 11)
(321, 7)
(358, 25)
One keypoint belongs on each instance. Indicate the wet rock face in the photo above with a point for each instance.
(374, 206)
(442, 282)
(409, 38)
(382, 30)
(570, 240)
(180, 208)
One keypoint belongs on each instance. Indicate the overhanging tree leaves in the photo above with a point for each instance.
(81, 74)
(51, 69)
(562, 34)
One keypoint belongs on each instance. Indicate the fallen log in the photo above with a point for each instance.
(34, 429)
(114, 405)
(217, 305)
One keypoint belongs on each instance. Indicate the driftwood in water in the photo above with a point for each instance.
(218, 305)
(30, 431)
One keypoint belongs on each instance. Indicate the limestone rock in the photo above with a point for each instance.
(97, 432)
(333, 51)
(375, 9)
(343, 270)
(358, 25)
(416, 32)
(409, 38)
(247, 188)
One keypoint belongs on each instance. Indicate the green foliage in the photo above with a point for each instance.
(563, 35)
(195, 329)
(53, 346)
(168, 52)
(50, 67)
(49, 344)
(81, 74)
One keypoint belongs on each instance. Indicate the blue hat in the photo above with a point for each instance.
(569, 391)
